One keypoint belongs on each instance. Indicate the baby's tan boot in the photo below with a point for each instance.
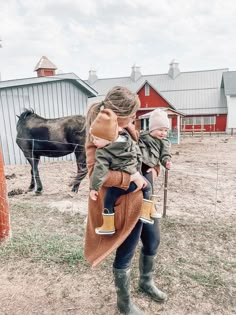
(146, 211)
(108, 227)
(154, 214)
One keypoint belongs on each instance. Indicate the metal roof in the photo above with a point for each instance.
(59, 77)
(229, 82)
(193, 93)
(198, 102)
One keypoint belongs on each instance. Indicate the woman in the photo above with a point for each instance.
(129, 229)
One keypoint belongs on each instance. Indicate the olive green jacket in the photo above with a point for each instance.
(154, 151)
(117, 156)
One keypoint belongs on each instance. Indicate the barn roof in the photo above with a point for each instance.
(229, 82)
(59, 77)
(193, 93)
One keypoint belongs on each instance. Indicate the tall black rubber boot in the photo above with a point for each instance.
(122, 283)
(146, 283)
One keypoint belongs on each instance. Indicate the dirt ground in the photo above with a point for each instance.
(42, 270)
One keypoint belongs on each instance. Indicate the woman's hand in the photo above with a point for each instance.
(138, 179)
(93, 195)
(154, 173)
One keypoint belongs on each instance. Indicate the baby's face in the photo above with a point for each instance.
(159, 133)
(99, 142)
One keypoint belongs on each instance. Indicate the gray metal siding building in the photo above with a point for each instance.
(50, 97)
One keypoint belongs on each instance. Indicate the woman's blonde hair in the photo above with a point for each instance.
(120, 99)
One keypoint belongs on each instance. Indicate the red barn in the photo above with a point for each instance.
(151, 99)
(198, 96)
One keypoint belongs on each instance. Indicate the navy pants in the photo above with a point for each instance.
(149, 235)
(113, 193)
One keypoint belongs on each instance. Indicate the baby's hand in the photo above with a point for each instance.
(93, 195)
(168, 165)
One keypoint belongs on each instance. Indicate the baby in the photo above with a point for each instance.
(153, 144)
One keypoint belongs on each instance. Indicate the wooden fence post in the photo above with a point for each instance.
(4, 207)
(165, 193)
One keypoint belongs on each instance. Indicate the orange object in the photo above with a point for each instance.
(4, 208)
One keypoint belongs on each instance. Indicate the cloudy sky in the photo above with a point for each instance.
(110, 36)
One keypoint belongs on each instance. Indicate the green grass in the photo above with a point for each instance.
(211, 279)
(50, 249)
(44, 236)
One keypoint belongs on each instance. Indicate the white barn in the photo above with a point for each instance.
(229, 84)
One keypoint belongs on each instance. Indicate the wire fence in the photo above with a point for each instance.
(54, 141)
(57, 174)
(182, 172)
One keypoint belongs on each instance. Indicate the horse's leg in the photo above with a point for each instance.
(81, 169)
(34, 161)
(36, 175)
(32, 183)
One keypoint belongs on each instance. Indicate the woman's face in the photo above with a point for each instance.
(125, 121)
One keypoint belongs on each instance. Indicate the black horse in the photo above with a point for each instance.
(37, 136)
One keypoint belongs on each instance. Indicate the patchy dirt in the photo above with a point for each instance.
(10, 176)
(14, 192)
(196, 260)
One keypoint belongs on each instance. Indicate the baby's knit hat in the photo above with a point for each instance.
(158, 119)
(105, 125)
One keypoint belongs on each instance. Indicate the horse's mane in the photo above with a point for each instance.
(27, 112)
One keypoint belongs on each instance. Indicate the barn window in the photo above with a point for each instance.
(198, 121)
(187, 121)
(144, 124)
(208, 120)
(211, 120)
(147, 89)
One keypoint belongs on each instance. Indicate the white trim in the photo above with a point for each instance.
(147, 89)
